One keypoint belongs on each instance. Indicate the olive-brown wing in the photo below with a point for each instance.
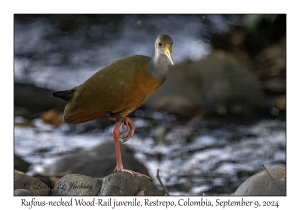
(107, 91)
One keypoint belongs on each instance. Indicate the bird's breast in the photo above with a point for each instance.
(143, 85)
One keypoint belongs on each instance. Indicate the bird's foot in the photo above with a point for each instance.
(130, 129)
(132, 173)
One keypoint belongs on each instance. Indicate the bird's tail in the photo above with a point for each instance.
(65, 94)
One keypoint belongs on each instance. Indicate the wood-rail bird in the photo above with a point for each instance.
(117, 90)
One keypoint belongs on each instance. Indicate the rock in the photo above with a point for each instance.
(19, 120)
(275, 85)
(179, 105)
(48, 180)
(52, 116)
(76, 184)
(117, 184)
(23, 192)
(31, 184)
(121, 184)
(271, 64)
(262, 184)
(141, 193)
(20, 164)
(97, 162)
(218, 83)
(280, 102)
(34, 99)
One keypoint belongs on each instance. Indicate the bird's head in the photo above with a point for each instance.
(164, 45)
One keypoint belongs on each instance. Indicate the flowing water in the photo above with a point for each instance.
(213, 161)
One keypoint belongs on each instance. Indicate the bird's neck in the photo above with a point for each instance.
(159, 67)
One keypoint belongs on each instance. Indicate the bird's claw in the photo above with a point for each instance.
(130, 129)
(124, 139)
(132, 173)
(128, 171)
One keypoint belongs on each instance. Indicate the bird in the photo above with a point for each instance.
(118, 89)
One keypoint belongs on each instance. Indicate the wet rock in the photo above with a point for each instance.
(97, 162)
(117, 184)
(76, 184)
(20, 164)
(262, 184)
(31, 184)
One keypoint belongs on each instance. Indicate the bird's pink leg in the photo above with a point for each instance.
(116, 135)
(119, 167)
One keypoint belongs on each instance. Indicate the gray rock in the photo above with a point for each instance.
(262, 184)
(121, 184)
(23, 192)
(218, 83)
(33, 185)
(97, 162)
(117, 184)
(76, 184)
(50, 181)
(20, 164)
(34, 99)
(178, 105)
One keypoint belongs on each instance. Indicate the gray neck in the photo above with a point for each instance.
(159, 67)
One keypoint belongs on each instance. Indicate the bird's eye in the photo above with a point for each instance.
(159, 44)
(172, 43)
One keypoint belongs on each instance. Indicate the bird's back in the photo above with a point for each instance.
(117, 90)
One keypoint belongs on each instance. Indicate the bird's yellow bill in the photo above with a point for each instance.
(168, 53)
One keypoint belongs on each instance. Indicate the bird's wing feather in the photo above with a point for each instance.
(83, 115)
(105, 92)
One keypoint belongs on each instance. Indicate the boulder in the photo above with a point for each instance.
(28, 185)
(34, 100)
(97, 162)
(23, 192)
(262, 184)
(20, 164)
(76, 184)
(117, 184)
(125, 184)
(218, 84)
